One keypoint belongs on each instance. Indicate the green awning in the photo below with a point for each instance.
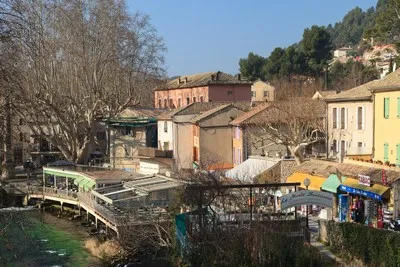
(87, 183)
(78, 180)
(332, 183)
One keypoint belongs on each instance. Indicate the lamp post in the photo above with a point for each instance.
(307, 183)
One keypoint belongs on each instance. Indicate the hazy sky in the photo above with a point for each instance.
(211, 35)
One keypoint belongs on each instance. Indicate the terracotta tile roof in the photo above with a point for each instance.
(390, 82)
(272, 112)
(140, 113)
(249, 114)
(325, 168)
(203, 79)
(363, 92)
(209, 113)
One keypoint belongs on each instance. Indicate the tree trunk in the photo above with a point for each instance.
(8, 163)
(296, 153)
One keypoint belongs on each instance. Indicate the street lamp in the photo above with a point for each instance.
(307, 183)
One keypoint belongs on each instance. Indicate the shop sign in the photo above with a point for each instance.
(307, 197)
(360, 192)
(364, 180)
(384, 177)
(149, 168)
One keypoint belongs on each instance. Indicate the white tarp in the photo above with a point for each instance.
(250, 168)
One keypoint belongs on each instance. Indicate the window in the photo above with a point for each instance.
(253, 93)
(171, 104)
(398, 107)
(334, 120)
(385, 152)
(343, 118)
(187, 100)
(201, 99)
(165, 127)
(230, 92)
(101, 135)
(386, 108)
(360, 144)
(194, 99)
(360, 118)
(165, 103)
(266, 94)
(179, 102)
(166, 145)
(334, 146)
(160, 103)
(234, 156)
(237, 133)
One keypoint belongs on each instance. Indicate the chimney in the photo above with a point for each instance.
(239, 77)
(217, 77)
(186, 79)
(212, 77)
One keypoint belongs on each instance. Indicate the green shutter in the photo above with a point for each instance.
(386, 107)
(386, 152)
(398, 107)
(398, 154)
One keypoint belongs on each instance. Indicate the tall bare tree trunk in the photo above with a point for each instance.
(8, 163)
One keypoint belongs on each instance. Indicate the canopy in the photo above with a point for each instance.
(249, 169)
(375, 191)
(298, 177)
(332, 183)
(78, 180)
(87, 183)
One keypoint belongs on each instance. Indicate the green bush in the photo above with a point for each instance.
(375, 247)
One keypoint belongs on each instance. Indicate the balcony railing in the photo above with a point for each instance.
(152, 152)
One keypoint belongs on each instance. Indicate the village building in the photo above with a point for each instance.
(204, 87)
(387, 119)
(350, 122)
(262, 92)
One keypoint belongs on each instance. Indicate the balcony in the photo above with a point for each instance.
(152, 152)
(43, 149)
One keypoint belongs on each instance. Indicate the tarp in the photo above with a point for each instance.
(352, 186)
(332, 183)
(298, 177)
(249, 169)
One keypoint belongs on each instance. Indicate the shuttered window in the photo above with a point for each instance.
(398, 107)
(386, 108)
(398, 154)
(342, 118)
(386, 152)
(334, 118)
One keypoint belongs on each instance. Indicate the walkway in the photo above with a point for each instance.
(323, 249)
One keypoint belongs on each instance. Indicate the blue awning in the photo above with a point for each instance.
(360, 192)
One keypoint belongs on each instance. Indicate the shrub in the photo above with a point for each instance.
(375, 247)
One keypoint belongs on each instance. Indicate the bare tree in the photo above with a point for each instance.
(294, 123)
(83, 61)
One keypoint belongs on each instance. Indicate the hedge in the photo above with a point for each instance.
(375, 247)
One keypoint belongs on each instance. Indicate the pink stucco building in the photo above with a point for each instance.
(204, 87)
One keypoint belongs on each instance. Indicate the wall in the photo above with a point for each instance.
(240, 92)
(387, 130)
(181, 93)
(183, 152)
(216, 145)
(351, 135)
(163, 136)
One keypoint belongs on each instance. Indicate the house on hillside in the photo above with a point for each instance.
(350, 122)
(204, 87)
(262, 91)
(322, 94)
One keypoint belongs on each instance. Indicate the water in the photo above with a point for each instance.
(32, 238)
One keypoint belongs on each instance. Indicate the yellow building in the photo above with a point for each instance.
(387, 118)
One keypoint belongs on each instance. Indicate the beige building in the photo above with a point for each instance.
(350, 123)
(262, 91)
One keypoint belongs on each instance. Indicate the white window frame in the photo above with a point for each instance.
(362, 118)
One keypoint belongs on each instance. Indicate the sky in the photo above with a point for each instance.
(211, 35)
